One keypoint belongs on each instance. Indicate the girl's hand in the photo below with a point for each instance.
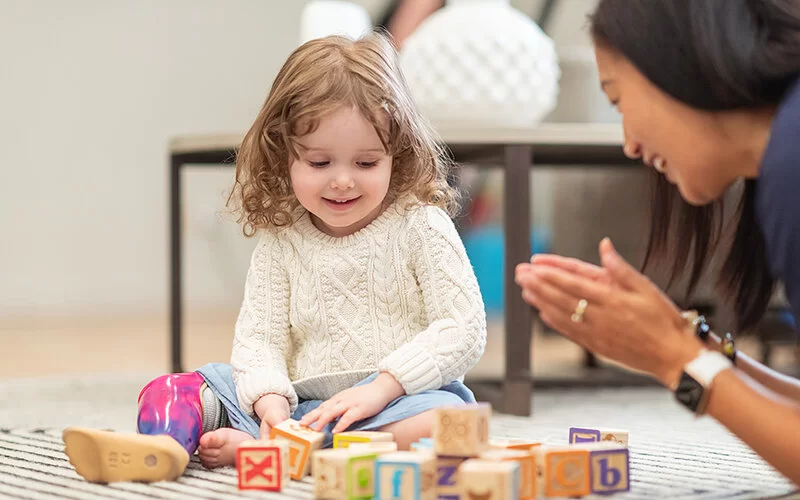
(627, 319)
(354, 404)
(272, 409)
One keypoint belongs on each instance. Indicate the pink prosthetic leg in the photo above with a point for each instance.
(172, 404)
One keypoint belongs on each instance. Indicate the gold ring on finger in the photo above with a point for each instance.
(580, 310)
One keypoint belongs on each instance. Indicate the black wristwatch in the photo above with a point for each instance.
(694, 386)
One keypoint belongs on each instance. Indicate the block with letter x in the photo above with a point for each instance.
(262, 465)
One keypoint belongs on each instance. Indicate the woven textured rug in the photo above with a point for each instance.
(673, 455)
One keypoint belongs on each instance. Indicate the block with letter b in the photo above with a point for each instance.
(262, 465)
(462, 431)
(302, 442)
(610, 467)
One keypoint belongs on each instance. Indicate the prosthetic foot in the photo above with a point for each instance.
(105, 457)
(174, 411)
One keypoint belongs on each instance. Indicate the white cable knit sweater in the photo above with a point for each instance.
(321, 313)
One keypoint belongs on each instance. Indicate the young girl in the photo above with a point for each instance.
(361, 310)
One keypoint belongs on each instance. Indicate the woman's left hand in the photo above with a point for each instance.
(627, 318)
(354, 404)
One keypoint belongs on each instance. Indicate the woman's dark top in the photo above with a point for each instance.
(778, 197)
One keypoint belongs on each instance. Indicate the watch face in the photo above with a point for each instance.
(689, 392)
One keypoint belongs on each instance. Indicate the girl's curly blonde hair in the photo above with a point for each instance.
(319, 77)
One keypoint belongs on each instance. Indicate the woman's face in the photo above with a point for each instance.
(684, 144)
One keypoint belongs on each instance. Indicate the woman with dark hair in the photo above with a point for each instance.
(709, 92)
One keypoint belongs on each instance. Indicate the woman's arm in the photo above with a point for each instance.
(765, 421)
(764, 375)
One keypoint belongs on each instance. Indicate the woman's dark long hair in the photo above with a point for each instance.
(712, 55)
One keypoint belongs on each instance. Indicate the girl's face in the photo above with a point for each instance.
(343, 172)
(686, 145)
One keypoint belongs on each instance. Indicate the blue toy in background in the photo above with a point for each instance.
(485, 249)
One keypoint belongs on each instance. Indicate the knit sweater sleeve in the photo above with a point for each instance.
(455, 337)
(261, 337)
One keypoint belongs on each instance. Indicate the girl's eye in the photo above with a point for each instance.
(318, 164)
(367, 164)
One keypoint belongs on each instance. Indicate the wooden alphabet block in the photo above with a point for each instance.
(405, 475)
(344, 474)
(513, 444)
(609, 466)
(345, 439)
(262, 465)
(302, 442)
(447, 484)
(565, 471)
(610, 470)
(489, 479)
(379, 447)
(527, 468)
(462, 431)
(587, 435)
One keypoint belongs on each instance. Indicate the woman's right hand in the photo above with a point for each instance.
(272, 409)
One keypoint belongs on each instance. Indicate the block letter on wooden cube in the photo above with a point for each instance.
(566, 472)
(405, 475)
(610, 470)
(527, 468)
(614, 436)
(447, 484)
(344, 474)
(584, 435)
(302, 441)
(489, 479)
(344, 439)
(462, 431)
(262, 465)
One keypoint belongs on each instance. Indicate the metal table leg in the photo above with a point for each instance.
(518, 383)
(176, 309)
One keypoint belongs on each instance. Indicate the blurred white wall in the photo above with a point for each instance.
(90, 92)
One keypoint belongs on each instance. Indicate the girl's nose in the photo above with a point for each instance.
(342, 179)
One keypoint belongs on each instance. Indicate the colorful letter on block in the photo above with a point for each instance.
(462, 431)
(527, 468)
(344, 474)
(344, 439)
(447, 484)
(610, 470)
(614, 436)
(405, 475)
(566, 472)
(262, 465)
(489, 480)
(302, 441)
(583, 435)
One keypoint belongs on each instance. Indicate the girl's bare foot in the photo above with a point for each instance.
(218, 448)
